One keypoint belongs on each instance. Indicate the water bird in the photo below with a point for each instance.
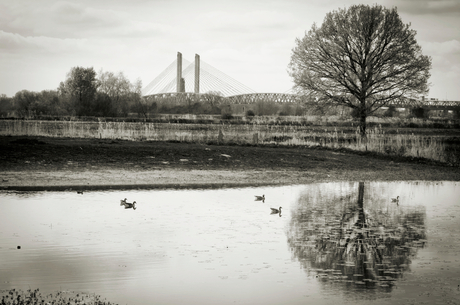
(276, 211)
(260, 198)
(129, 205)
(395, 200)
(122, 202)
(80, 192)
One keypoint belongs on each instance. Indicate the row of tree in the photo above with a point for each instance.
(83, 93)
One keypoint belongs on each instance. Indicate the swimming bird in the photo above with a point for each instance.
(260, 198)
(80, 192)
(130, 205)
(123, 202)
(395, 200)
(276, 211)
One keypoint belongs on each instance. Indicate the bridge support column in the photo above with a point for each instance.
(197, 73)
(179, 72)
(182, 85)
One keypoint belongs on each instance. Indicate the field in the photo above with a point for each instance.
(386, 138)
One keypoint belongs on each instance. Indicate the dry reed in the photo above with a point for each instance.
(429, 147)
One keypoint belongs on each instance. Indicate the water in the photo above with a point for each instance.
(222, 247)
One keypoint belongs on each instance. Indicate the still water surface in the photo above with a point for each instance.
(334, 243)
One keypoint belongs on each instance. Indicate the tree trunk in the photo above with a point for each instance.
(362, 218)
(362, 121)
(361, 195)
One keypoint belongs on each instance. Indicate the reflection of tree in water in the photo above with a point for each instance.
(338, 239)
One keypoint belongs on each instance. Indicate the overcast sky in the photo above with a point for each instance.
(251, 41)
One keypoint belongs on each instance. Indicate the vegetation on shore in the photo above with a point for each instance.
(20, 297)
(438, 144)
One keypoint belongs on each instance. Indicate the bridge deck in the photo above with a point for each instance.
(253, 98)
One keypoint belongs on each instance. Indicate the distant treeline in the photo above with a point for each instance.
(83, 93)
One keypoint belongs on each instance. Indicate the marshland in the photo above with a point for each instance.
(437, 140)
(194, 178)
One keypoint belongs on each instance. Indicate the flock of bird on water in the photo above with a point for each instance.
(274, 211)
(129, 205)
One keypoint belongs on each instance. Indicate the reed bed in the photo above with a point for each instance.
(412, 145)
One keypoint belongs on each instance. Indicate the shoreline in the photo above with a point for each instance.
(40, 164)
(86, 181)
(124, 187)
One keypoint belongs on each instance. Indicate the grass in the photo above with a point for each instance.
(388, 141)
(20, 297)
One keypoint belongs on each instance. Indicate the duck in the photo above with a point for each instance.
(395, 200)
(80, 192)
(260, 198)
(276, 211)
(123, 202)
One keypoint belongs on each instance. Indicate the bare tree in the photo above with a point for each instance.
(117, 87)
(212, 101)
(362, 57)
(213, 98)
(138, 103)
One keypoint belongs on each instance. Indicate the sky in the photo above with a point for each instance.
(250, 41)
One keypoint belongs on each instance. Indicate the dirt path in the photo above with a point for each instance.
(37, 163)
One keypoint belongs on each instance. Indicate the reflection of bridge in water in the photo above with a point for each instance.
(200, 82)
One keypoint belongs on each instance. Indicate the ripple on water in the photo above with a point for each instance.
(186, 240)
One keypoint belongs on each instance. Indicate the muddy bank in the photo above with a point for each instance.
(39, 163)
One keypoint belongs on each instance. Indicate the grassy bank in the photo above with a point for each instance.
(435, 144)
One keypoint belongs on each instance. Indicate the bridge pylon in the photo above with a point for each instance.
(197, 73)
(179, 73)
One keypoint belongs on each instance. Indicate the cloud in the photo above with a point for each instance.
(72, 14)
(424, 7)
(64, 19)
(249, 40)
(445, 70)
(247, 22)
(57, 19)
(15, 44)
(445, 60)
(445, 55)
(451, 47)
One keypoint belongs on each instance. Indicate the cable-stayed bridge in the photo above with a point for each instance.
(197, 81)
(197, 77)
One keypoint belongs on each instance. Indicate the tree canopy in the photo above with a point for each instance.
(81, 85)
(118, 88)
(362, 57)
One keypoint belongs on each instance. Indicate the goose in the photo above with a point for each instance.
(276, 211)
(260, 198)
(130, 205)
